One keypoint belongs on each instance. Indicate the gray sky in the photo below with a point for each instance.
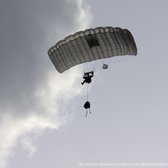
(42, 121)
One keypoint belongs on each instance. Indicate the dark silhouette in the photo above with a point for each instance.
(87, 77)
(87, 107)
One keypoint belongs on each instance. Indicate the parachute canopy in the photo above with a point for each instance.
(91, 44)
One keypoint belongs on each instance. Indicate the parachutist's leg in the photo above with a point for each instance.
(83, 82)
(86, 113)
(89, 111)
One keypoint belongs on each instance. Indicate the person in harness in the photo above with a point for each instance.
(87, 77)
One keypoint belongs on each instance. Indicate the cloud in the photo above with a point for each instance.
(31, 89)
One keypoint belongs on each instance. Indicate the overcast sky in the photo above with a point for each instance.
(42, 121)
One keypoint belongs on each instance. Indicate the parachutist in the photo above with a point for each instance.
(87, 77)
(87, 107)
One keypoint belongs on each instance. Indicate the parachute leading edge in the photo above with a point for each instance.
(90, 45)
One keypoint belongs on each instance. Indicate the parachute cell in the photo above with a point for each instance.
(90, 45)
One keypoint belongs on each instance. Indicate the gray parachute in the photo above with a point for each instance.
(90, 45)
